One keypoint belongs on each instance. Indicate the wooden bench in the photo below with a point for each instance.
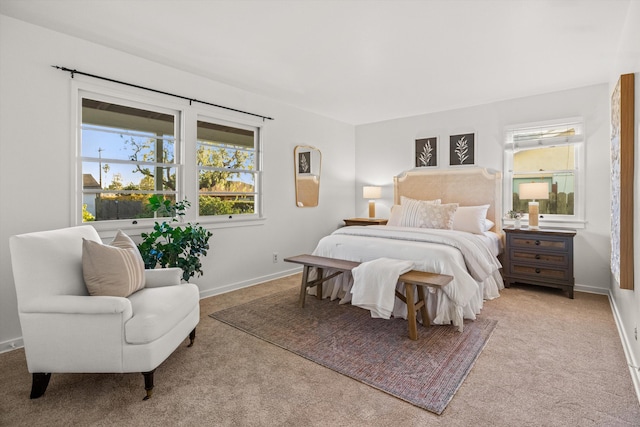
(420, 279)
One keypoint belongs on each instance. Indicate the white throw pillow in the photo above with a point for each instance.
(471, 219)
(112, 270)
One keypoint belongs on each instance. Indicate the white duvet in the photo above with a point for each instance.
(465, 256)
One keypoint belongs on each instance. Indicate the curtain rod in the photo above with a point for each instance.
(191, 100)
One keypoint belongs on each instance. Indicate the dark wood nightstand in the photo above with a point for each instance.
(541, 257)
(365, 221)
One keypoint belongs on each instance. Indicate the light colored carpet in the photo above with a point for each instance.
(551, 361)
(426, 372)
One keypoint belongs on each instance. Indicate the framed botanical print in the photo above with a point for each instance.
(427, 152)
(462, 149)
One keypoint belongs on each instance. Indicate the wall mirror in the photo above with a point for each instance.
(307, 163)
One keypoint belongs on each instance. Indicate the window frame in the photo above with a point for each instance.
(577, 220)
(185, 154)
(257, 145)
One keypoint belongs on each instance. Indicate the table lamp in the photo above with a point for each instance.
(369, 192)
(534, 191)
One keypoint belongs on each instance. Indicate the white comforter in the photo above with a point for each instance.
(459, 254)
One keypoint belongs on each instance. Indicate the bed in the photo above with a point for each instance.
(468, 253)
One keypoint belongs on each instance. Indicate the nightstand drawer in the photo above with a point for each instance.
(541, 258)
(538, 242)
(538, 272)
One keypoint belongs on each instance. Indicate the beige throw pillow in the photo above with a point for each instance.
(112, 270)
(412, 211)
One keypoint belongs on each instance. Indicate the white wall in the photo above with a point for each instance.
(626, 303)
(387, 148)
(36, 165)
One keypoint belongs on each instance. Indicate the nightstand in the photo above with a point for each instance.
(541, 257)
(365, 221)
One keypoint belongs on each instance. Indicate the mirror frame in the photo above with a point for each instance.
(315, 165)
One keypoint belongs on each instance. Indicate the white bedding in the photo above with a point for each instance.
(461, 299)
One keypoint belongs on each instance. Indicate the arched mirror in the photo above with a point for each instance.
(307, 162)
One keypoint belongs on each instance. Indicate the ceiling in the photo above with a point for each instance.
(359, 61)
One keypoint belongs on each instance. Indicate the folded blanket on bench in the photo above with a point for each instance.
(374, 284)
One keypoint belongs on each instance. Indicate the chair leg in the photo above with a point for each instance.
(148, 383)
(39, 384)
(192, 337)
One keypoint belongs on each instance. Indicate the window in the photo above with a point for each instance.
(128, 153)
(131, 147)
(228, 172)
(550, 152)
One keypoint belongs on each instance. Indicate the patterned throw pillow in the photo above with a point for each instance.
(439, 216)
(112, 270)
(413, 211)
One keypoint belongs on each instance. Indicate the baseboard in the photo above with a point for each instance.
(248, 283)
(634, 367)
(10, 345)
(591, 289)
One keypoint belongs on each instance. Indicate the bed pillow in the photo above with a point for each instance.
(471, 219)
(412, 211)
(395, 217)
(430, 216)
(112, 270)
(488, 224)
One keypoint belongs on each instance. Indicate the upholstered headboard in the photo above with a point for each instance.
(467, 187)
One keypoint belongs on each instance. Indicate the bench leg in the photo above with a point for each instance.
(303, 286)
(423, 309)
(411, 311)
(319, 285)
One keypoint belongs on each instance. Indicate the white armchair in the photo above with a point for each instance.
(66, 330)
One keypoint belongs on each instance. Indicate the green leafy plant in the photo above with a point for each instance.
(171, 244)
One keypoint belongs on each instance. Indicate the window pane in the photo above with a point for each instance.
(127, 154)
(226, 205)
(227, 170)
(545, 159)
(553, 165)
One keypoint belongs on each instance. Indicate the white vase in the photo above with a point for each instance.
(516, 223)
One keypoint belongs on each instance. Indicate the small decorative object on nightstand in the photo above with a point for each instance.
(365, 221)
(542, 257)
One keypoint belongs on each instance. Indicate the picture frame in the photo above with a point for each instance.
(462, 149)
(304, 162)
(622, 170)
(426, 152)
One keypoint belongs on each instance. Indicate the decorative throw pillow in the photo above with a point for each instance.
(470, 219)
(112, 270)
(439, 216)
(413, 211)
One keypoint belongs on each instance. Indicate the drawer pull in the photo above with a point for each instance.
(537, 242)
(538, 270)
(537, 256)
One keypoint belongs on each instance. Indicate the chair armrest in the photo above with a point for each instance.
(162, 277)
(78, 304)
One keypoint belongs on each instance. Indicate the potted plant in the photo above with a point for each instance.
(516, 216)
(171, 244)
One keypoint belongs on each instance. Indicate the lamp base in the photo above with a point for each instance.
(372, 209)
(533, 215)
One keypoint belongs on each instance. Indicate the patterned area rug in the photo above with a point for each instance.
(344, 338)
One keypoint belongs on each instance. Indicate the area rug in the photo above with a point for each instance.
(426, 373)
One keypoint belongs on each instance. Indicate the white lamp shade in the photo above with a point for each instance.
(534, 191)
(369, 192)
